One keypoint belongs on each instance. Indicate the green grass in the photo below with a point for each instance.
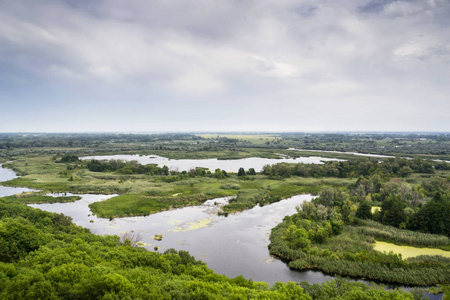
(352, 253)
(141, 205)
(31, 198)
(145, 194)
(401, 236)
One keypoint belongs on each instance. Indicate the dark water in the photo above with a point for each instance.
(234, 245)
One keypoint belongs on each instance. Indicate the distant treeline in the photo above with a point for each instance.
(409, 144)
(84, 139)
(401, 167)
(381, 143)
(125, 167)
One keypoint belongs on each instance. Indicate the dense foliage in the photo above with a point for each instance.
(45, 256)
(388, 167)
(407, 144)
(314, 238)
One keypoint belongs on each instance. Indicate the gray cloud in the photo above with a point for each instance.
(314, 61)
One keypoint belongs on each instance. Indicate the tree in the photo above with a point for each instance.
(405, 171)
(241, 172)
(392, 211)
(296, 238)
(68, 158)
(251, 171)
(433, 217)
(219, 174)
(332, 197)
(364, 210)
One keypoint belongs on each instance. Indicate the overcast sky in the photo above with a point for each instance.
(237, 65)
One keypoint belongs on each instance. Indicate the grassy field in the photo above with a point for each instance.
(163, 196)
(37, 197)
(145, 194)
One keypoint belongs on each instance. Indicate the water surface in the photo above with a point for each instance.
(234, 245)
(5, 175)
(231, 165)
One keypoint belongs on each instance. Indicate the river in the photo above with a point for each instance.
(234, 245)
(7, 174)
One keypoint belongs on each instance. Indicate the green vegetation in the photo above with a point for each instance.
(315, 239)
(45, 256)
(148, 189)
(31, 197)
(227, 146)
(141, 205)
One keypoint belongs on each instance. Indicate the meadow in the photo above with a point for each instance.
(142, 194)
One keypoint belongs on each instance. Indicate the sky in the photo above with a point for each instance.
(235, 65)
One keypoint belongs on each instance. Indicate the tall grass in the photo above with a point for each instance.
(400, 236)
(351, 254)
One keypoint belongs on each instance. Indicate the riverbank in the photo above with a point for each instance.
(55, 259)
(143, 194)
(90, 222)
(351, 253)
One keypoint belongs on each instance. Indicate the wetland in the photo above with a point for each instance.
(225, 204)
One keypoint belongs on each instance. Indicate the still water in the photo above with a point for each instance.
(230, 165)
(234, 245)
(5, 175)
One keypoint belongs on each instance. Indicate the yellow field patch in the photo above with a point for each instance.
(408, 251)
(375, 209)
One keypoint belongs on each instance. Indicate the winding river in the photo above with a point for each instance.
(234, 245)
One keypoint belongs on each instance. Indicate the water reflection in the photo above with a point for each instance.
(234, 245)
(5, 175)
(231, 165)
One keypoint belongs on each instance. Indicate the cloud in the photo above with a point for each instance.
(162, 54)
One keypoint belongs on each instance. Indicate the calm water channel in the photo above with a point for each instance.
(234, 245)
(7, 174)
